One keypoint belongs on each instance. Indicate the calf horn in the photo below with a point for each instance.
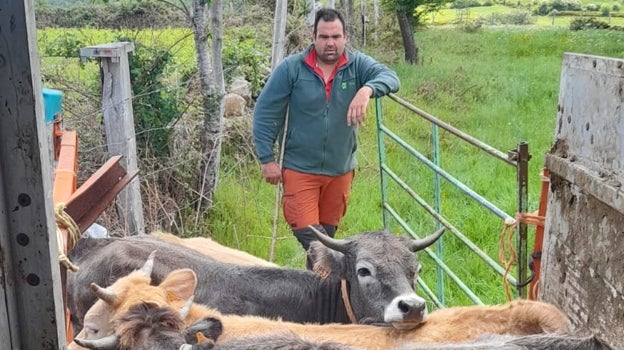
(184, 312)
(107, 343)
(108, 296)
(420, 244)
(146, 269)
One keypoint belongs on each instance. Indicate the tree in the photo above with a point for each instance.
(212, 88)
(212, 92)
(410, 14)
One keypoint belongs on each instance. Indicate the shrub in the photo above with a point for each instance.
(605, 10)
(462, 4)
(587, 23)
(516, 17)
(592, 7)
(616, 7)
(471, 26)
(546, 7)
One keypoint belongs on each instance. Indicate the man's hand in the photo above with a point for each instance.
(357, 109)
(272, 173)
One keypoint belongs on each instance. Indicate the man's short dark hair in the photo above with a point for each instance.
(328, 15)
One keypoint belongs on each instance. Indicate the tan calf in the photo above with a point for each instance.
(457, 324)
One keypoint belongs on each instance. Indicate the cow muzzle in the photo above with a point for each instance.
(406, 312)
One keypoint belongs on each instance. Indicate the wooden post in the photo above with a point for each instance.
(119, 123)
(31, 312)
(582, 262)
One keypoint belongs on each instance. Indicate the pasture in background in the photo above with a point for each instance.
(497, 84)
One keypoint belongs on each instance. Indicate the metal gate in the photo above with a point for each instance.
(397, 184)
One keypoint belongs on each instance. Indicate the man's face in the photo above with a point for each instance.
(330, 41)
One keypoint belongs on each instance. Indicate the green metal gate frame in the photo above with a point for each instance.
(517, 158)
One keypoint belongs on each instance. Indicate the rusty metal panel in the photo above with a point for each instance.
(583, 256)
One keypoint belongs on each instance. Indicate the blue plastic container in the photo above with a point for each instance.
(52, 103)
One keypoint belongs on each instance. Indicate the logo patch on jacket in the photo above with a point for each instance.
(345, 84)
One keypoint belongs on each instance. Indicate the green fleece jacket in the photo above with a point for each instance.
(318, 140)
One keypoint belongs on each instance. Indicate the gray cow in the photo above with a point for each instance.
(379, 268)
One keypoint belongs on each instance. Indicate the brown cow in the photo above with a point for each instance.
(519, 317)
(214, 250)
(148, 327)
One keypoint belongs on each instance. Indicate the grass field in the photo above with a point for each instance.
(448, 16)
(498, 84)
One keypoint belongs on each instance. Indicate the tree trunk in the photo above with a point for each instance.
(212, 91)
(279, 32)
(407, 33)
(311, 5)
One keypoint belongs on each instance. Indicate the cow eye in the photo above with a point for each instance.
(363, 272)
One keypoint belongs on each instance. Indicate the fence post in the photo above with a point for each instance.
(523, 207)
(119, 123)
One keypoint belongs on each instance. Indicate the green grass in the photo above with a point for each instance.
(449, 16)
(499, 85)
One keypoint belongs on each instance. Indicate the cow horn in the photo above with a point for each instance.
(184, 311)
(340, 245)
(146, 270)
(420, 244)
(107, 343)
(106, 295)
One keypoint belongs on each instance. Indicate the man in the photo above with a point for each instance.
(324, 91)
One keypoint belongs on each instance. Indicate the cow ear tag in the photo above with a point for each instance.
(321, 271)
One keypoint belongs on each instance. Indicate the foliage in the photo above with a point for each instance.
(155, 105)
(122, 14)
(418, 8)
(471, 26)
(241, 57)
(65, 45)
(460, 4)
(516, 17)
(546, 7)
(588, 23)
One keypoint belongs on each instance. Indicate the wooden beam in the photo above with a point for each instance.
(31, 313)
(95, 194)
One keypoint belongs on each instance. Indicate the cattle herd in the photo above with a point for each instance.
(155, 292)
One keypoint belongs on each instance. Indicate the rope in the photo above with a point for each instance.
(506, 251)
(345, 300)
(73, 234)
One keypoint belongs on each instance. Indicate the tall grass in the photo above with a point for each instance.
(499, 85)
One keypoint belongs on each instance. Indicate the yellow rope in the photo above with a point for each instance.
(73, 234)
(506, 252)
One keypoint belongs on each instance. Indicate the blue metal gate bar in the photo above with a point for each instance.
(438, 208)
(462, 135)
(517, 158)
(444, 221)
(438, 261)
(467, 190)
(429, 293)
